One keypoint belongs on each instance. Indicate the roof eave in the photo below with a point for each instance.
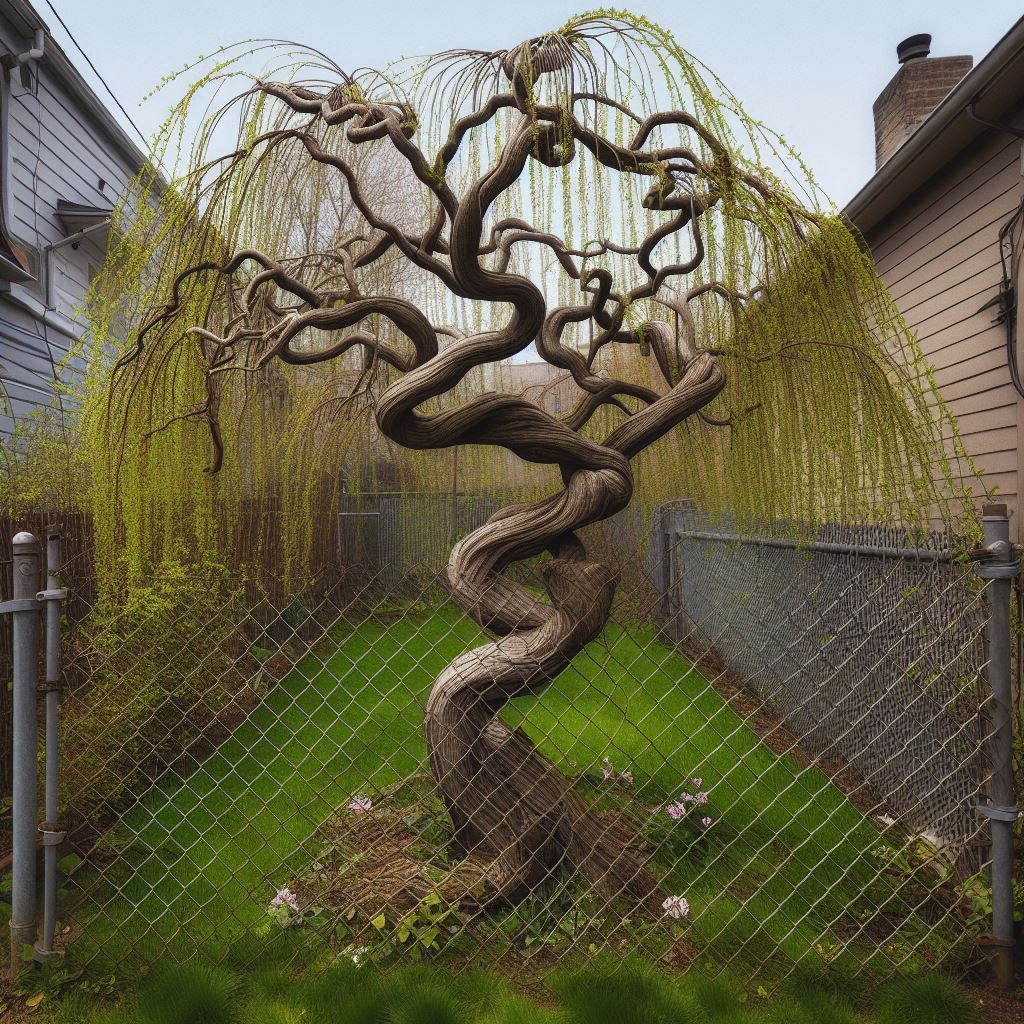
(58, 62)
(995, 86)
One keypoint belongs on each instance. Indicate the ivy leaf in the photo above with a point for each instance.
(35, 1000)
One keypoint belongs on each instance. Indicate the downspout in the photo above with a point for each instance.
(37, 49)
(14, 85)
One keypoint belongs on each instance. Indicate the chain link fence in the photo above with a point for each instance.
(792, 737)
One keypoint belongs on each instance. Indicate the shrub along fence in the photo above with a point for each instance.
(806, 746)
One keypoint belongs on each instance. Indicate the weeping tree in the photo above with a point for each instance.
(592, 193)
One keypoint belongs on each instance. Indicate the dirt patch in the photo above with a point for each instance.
(998, 1007)
(772, 730)
(383, 877)
(387, 860)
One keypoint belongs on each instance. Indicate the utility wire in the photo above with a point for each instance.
(78, 46)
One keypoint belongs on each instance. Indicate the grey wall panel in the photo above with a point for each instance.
(57, 150)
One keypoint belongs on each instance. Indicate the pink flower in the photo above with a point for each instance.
(285, 898)
(676, 906)
(675, 811)
(706, 821)
(697, 783)
(700, 798)
(360, 804)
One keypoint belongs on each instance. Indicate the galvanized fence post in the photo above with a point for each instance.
(24, 609)
(50, 830)
(998, 565)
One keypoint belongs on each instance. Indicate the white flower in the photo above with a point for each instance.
(676, 906)
(675, 811)
(358, 953)
(697, 783)
(360, 804)
(285, 898)
(609, 774)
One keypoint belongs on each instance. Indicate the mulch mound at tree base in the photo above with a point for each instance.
(381, 867)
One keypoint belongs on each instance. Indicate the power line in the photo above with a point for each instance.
(78, 46)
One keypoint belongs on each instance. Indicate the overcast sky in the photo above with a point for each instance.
(809, 68)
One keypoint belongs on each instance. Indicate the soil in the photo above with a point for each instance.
(999, 1007)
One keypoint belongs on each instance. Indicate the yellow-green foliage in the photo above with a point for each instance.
(139, 646)
(39, 467)
(831, 411)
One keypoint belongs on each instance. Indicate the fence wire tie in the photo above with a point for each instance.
(39, 954)
(998, 812)
(51, 832)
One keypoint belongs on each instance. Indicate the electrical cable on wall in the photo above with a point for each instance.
(1009, 262)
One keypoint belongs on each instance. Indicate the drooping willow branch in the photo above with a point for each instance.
(710, 233)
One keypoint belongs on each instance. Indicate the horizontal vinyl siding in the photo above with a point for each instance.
(26, 366)
(57, 151)
(938, 255)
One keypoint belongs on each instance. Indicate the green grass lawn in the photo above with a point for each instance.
(606, 991)
(786, 862)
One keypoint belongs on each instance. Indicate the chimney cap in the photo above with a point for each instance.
(913, 47)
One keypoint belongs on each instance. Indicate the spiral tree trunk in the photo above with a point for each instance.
(506, 801)
(508, 805)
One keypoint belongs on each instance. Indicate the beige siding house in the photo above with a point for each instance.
(950, 151)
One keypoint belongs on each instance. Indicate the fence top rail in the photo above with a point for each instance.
(831, 547)
(683, 518)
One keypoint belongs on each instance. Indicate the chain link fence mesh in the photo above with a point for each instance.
(791, 735)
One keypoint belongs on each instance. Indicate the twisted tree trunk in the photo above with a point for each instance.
(506, 801)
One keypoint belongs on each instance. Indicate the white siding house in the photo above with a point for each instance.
(64, 162)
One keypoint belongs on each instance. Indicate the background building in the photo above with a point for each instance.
(64, 161)
(942, 215)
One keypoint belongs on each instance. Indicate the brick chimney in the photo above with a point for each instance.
(921, 83)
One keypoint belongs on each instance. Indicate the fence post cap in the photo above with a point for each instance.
(25, 542)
